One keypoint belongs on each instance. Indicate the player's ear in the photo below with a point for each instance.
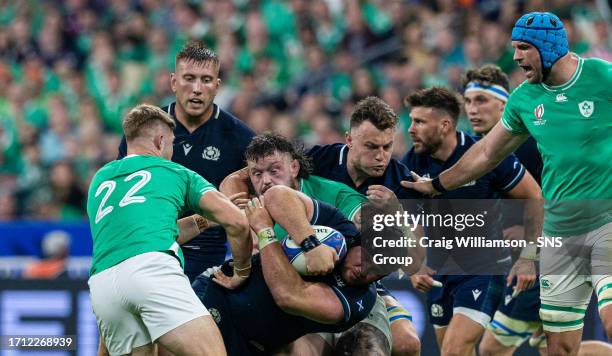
(295, 167)
(158, 142)
(173, 82)
(348, 138)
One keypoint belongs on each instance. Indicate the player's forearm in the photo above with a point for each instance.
(240, 242)
(192, 226)
(289, 289)
(533, 218)
(473, 165)
(481, 158)
(289, 209)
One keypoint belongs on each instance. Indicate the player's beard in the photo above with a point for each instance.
(431, 146)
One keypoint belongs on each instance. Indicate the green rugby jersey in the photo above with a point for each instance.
(336, 194)
(133, 204)
(572, 124)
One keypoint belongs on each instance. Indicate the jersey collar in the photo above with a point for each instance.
(214, 116)
(569, 83)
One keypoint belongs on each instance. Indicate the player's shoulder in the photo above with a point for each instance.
(232, 123)
(325, 184)
(597, 69)
(597, 64)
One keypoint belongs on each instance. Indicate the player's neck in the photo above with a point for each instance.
(563, 70)
(141, 150)
(192, 123)
(446, 148)
(357, 175)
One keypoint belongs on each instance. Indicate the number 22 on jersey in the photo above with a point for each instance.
(129, 197)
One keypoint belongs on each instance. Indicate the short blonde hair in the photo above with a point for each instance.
(143, 117)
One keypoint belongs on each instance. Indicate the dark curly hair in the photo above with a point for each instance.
(437, 98)
(488, 74)
(269, 143)
(197, 52)
(376, 111)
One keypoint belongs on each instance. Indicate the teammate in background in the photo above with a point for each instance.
(565, 105)
(138, 290)
(276, 305)
(486, 91)
(208, 140)
(463, 307)
(364, 163)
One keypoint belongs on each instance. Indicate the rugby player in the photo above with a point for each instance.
(138, 290)
(276, 305)
(463, 307)
(208, 140)
(565, 105)
(486, 91)
(365, 164)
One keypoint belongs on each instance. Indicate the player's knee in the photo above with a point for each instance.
(406, 345)
(488, 346)
(276, 193)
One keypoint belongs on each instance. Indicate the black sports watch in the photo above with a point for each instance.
(437, 185)
(309, 243)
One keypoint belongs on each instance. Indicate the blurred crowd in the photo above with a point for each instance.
(70, 69)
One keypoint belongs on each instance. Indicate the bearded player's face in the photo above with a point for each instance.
(275, 169)
(528, 58)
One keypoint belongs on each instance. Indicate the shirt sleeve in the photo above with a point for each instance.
(511, 119)
(508, 174)
(349, 201)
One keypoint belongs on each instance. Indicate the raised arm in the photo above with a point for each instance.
(481, 158)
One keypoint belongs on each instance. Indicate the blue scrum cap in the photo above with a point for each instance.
(544, 31)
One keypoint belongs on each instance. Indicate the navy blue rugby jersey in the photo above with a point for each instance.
(492, 185)
(214, 150)
(330, 162)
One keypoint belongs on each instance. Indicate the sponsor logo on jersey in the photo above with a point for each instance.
(437, 311)
(211, 153)
(561, 98)
(187, 147)
(539, 112)
(586, 108)
(476, 293)
(545, 283)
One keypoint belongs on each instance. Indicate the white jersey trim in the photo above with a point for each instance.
(569, 83)
(515, 178)
(341, 158)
